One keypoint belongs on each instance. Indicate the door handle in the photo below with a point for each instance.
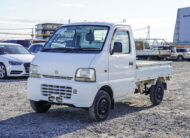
(131, 63)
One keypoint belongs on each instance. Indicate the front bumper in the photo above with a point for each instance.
(82, 93)
(18, 70)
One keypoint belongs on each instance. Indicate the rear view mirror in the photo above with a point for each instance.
(117, 48)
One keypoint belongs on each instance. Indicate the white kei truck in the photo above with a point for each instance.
(92, 65)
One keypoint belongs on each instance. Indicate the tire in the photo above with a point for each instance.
(180, 58)
(100, 109)
(40, 107)
(3, 71)
(164, 58)
(156, 93)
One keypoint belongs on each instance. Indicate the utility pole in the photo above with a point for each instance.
(32, 33)
(148, 33)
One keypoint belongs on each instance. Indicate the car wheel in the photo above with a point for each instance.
(100, 109)
(40, 107)
(180, 58)
(3, 72)
(157, 93)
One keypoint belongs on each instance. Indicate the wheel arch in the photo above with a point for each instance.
(109, 90)
(5, 64)
(163, 81)
(180, 56)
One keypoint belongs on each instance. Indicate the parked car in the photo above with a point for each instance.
(35, 48)
(14, 60)
(25, 43)
(98, 69)
(180, 54)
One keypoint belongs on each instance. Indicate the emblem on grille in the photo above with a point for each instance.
(56, 72)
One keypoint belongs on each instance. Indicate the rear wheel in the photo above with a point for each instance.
(100, 109)
(3, 72)
(40, 107)
(164, 58)
(180, 58)
(157, 93)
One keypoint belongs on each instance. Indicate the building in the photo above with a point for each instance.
(182, 27)
(46, 30)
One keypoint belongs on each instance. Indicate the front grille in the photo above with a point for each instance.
(27, 67)
(57, 77)
(63, 91)
(15, 72)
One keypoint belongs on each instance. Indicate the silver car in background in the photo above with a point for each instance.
(14, 60)
(180, 54)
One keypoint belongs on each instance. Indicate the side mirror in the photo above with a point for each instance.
(117, 48)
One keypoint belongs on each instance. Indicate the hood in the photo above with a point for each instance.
(19, 57)
(62, 64)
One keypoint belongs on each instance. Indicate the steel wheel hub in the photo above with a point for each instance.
(103, 106)
(159, 93)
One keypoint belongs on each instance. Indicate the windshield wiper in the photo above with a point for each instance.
(89, 48)
(52, 49)
(67, 49)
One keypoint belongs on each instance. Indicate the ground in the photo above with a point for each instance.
(133, 117)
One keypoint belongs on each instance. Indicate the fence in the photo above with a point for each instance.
(19, 33)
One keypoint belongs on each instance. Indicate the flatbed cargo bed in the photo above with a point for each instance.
(147, 70)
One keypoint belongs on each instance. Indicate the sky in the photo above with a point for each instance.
(160, 15)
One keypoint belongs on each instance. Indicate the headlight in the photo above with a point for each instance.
(13, 63)
(35, 71)
(85, 74)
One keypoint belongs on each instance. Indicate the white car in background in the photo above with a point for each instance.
(14, 60)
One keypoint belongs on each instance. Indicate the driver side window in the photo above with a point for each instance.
(121, 42)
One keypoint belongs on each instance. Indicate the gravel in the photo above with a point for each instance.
(133, 117)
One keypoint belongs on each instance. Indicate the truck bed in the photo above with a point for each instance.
(147, 70)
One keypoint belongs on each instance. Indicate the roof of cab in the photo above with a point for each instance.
(110, 24)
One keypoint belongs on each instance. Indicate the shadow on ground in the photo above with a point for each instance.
(13, 79)
(58, 122)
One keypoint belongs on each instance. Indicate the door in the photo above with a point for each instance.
(122, 61)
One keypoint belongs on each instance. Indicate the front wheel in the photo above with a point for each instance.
(3, 72)
(157, 93)
(40, 107)
(100, 109)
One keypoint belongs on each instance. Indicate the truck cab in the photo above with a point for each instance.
(90, 65)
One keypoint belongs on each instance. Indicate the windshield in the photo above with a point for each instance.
(78, 38)
(13, 49)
